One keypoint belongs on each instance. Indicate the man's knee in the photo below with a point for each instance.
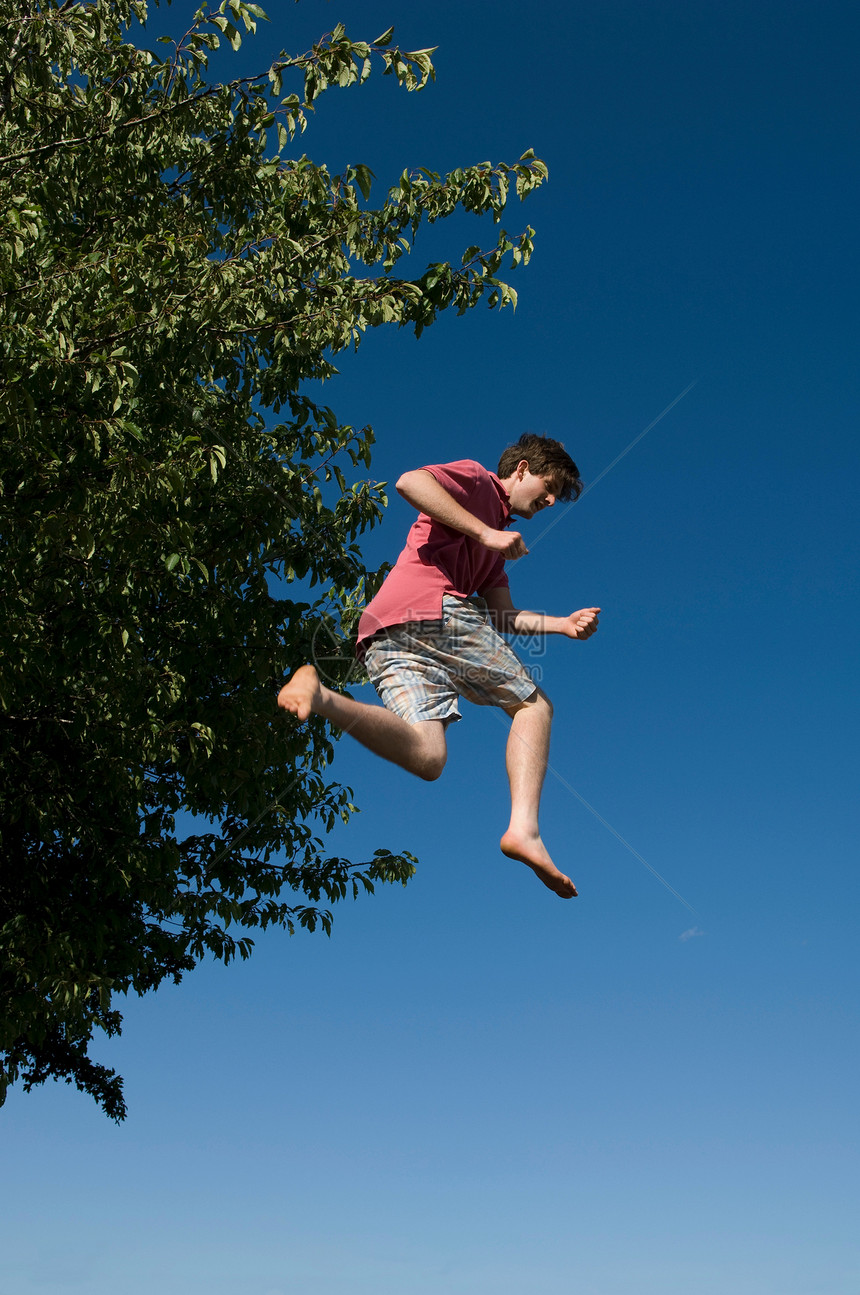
(430, 751)
(431, 764)
(538, 702)
(544, 701)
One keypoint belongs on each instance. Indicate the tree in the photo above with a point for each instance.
(170, 279)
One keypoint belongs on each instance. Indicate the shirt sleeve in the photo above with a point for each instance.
(461, 479)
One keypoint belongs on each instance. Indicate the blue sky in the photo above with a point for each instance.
(473, 1087)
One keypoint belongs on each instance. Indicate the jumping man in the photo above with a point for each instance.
(427, 640)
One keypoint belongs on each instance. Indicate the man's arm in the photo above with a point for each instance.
(421, 489)
(510, 620)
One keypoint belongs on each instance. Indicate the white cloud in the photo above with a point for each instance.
(688, 935)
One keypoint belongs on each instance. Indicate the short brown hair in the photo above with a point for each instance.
(545, 458)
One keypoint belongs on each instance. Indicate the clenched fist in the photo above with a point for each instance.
(509, 543)
(582, 624)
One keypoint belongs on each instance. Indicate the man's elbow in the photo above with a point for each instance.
(409, 482)
(504, 620)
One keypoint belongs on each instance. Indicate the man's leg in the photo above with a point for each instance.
(527, 755)
(419, 748)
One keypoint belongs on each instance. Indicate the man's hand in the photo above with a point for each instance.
(509, 543)
(421, 489)
(582, 624)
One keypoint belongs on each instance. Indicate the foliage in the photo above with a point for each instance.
(169, 280)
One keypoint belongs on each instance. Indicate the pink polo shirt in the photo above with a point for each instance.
(439, 560)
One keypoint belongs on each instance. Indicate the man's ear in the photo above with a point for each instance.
(522, 468)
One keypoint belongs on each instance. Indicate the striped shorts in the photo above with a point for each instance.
(420, 669)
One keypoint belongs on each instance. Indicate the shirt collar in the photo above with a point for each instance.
(504, 498)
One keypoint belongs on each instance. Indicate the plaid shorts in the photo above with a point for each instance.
(421, 668)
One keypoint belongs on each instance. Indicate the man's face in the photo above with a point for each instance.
(529, 494)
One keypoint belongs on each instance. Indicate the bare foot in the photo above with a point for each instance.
(531, 850)
(301, 694)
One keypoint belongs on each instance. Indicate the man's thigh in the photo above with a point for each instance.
(409, 680)
(484, 667)
(420, 669)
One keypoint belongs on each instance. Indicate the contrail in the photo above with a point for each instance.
(627, 846)
(617, 459)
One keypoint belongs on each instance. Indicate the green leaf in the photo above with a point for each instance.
(363, 177)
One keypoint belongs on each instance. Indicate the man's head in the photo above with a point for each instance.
(537, 471)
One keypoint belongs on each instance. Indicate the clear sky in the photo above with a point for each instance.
(474, 1087)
